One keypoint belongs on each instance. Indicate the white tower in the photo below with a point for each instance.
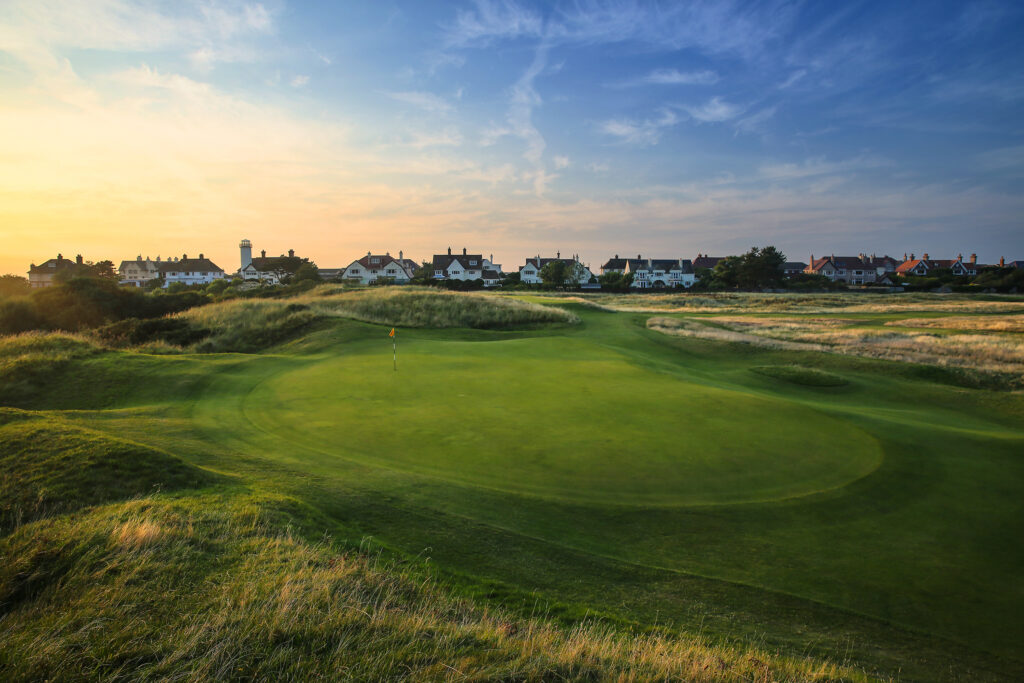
(246, 249)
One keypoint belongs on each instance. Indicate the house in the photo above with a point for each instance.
(267, 269)
(1012, 264)
(466, 267)
(853, 270)
(704, 261)
(530, 272)
(43, 274)
(921, 267)
(194, 271)
(793, 268)
(658, 273)
(615, 265)
(372, 267)
(138, 272)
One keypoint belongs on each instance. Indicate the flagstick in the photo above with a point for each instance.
(394, 348)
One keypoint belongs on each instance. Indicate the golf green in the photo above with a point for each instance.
(557, 418)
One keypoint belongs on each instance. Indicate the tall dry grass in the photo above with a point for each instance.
(215, 588)
(992, 353)
(741, 302)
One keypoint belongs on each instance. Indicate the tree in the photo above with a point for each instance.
(616, 282)
(307, 272)
(756, 269)
(13, 285)
(554, 273)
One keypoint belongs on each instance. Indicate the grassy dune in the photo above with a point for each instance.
(552, 500)
(220, 584)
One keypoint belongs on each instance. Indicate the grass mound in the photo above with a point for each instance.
(32, 359)
(409, 307)
(49, 467)
(796, 374)
(216, 587)
(245, 326)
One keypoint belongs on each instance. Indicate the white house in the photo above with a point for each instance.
(372, 267)
(466, 267)
(530, 272)
(266, 270)
(138, 272)
(190, 271)
(657, 273)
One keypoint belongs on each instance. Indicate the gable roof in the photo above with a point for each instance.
(794, 265)
(51, 265)
(684, 265)
(443, 262)
(190, 265)
(705, 261)
(539, 263)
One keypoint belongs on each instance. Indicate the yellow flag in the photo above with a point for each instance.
(392, 332)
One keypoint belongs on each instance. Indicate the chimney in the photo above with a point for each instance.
(60, 257)
(400, 257)
(184, 257)
(449, 251)
(78, 259)
(201, 255)
(139, 257)
(291, 253)
(263, 253)
(810, 264)
(638, 257)
(912, 257)
(904, 256)
(617, 256)
(463, 251)
(1002, 262)
(974, 258)
(558, 254)
(926, 256)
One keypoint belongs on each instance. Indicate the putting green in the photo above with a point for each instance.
(556, 418)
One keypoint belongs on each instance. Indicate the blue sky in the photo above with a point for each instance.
(511, 128)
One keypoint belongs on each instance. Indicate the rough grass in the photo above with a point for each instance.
(218, 587)
(32, 359)
(426, 307)
(247, 325)
(796, 374)
(998, 355)
(740, 302)
(50, 467)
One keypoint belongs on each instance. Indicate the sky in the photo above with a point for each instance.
(509, 128)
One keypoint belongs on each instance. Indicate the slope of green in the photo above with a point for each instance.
(608, 469)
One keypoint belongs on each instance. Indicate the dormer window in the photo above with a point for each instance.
(375, 259)
(472, 263)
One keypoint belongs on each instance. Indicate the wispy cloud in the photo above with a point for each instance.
(491, 20)
(755, 122)
(714, 110)
(299, 81)
(671, 77)
(424, 100)
(645, 133)
(561, 162)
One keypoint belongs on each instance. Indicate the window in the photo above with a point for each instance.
(472, 263)
(375, 259)
(858, 272)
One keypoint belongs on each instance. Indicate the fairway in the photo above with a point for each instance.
(556, 418)
(862, 510)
